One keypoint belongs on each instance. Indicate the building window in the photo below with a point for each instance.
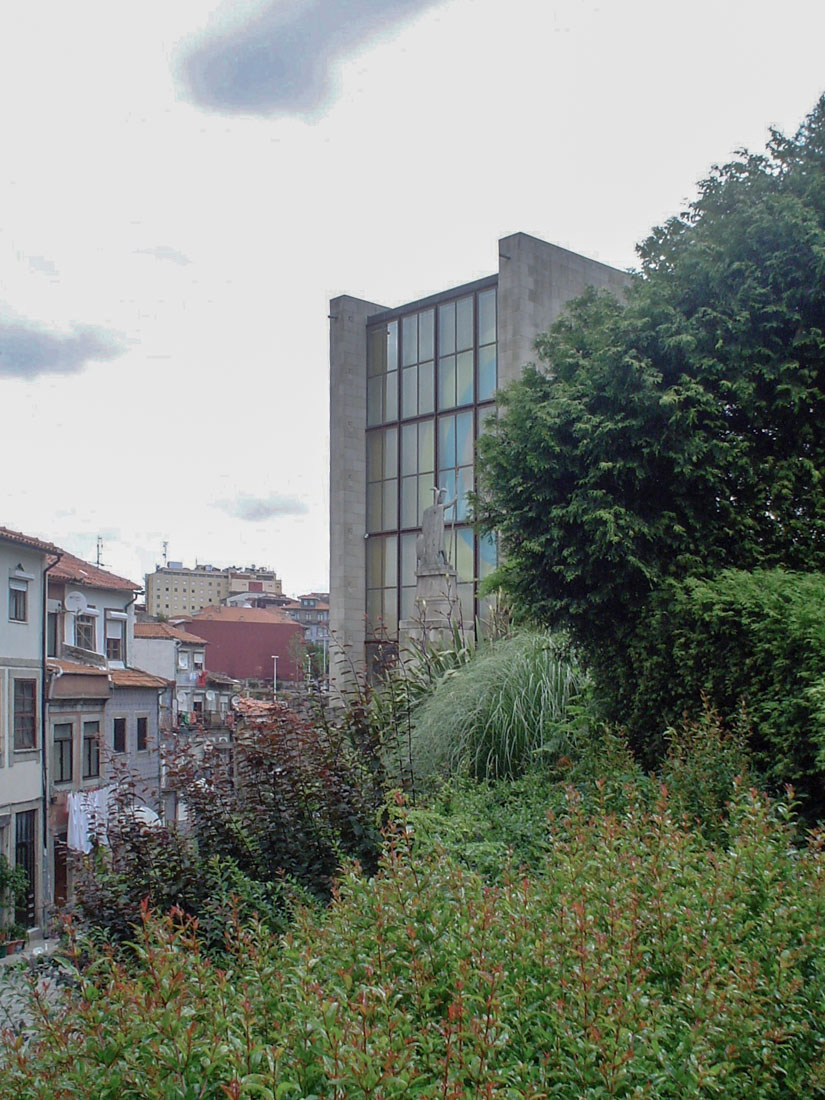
(63, 732)
(115, 634)
(142, 734)
(119, 735)
(91, 750)
(382, 480)
(25, 824)
(197, 661)
(25, 714)
(18, 601)
(446, 362)
(382, 374)
(183, 659)
(51, 634)
(84, 632)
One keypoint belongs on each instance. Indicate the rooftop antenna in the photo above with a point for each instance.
(100, 564)
(165, 545)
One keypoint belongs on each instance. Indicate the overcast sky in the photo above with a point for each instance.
(185, 185)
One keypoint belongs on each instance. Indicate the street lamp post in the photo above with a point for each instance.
(274, 676)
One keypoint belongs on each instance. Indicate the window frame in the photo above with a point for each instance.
(59, 757)
(89, 622)
(90, 752)
(18, 594)
(27, 716)
(142, 741)
(119, 725)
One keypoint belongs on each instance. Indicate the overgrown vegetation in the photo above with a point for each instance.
(636, 959)
(752, 639)
(272, 822)
(679, 433)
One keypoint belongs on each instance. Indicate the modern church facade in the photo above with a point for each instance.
(410, 390)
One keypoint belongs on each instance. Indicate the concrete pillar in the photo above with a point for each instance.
(347, 482)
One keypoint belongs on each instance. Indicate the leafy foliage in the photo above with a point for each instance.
(270, 823)
(753, 638)
(639, 961)
(492, 717)
(680, 432)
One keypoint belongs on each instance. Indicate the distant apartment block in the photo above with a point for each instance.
(174, 590)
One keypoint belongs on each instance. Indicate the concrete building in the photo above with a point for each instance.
(102, 714)
(174, 590)
(410, 389)
(23, 564)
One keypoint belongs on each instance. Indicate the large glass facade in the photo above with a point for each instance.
(431, 383)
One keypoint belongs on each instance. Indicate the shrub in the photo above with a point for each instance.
(757, 638)
(703, 764)
(272, 822)
(514, 701)
(641, 962)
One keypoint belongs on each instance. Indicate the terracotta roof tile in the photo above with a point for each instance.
(7, 535)
(69, 668)
(135, 677)
(77, 571)
(241, 615)
(166, 630)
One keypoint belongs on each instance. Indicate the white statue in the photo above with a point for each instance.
(429, 546)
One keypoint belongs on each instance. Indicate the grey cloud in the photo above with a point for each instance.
(164, 252)
(28, 350)
(280, 61)
(261, 508)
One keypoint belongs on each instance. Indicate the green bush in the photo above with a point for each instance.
(492, 826)
(513, 702)
(754, 638)
(273, 822)
(641, 962)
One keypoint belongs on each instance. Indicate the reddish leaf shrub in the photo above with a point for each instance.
(639, 961)
(274, 820)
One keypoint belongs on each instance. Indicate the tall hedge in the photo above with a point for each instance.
(753, 638)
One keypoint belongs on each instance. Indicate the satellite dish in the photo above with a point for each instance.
(235, 700)
(75, 601)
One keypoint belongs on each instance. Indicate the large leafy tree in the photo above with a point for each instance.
(681, 430)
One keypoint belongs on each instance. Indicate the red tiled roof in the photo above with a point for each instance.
(166, 630)
(7, 535)
(135, 677)
(76, 571)
(74, 668)
(258, 708)
(241, 615)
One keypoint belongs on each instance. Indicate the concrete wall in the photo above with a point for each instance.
(156, 655)
(132, 703)
(535, 282)
(348, 479)
(21, 640)
(21, 650)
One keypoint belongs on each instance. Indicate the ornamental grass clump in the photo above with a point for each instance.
(639, 961)
(512, 703)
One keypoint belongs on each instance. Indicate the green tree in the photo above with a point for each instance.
(678, 432)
